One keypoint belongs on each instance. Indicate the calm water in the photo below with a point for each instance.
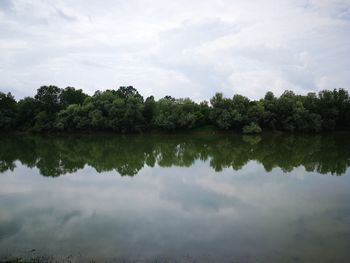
(273, 198)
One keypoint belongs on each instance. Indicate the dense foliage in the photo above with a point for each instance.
(125, 110)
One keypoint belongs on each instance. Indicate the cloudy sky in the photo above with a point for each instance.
(180, 48)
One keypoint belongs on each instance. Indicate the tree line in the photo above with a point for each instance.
(126, 111)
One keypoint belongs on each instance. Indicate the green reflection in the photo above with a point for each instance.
(55, 156)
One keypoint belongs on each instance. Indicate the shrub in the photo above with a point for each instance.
(252, 128)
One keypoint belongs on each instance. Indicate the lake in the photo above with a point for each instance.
(175, 198)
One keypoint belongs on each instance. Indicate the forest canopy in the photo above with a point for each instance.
(126, 111)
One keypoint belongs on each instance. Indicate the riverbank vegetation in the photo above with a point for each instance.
(126, 111)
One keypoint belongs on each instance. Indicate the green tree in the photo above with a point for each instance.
(8, 111)
(149, 110)
(49, 98)
(124, 110)
(70, 95)
(27, 110)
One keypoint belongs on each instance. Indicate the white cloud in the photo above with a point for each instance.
(179, 48)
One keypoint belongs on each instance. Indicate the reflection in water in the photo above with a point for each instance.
(129, 154)
(184, 205)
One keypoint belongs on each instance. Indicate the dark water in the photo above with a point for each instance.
(273, 198)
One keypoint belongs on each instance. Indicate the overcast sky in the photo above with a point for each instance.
(182, 48)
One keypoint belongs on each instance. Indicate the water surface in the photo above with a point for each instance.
(198, 198)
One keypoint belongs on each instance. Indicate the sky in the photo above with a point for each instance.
(179, 48)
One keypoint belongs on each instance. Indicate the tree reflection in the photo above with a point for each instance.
(55, 156)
